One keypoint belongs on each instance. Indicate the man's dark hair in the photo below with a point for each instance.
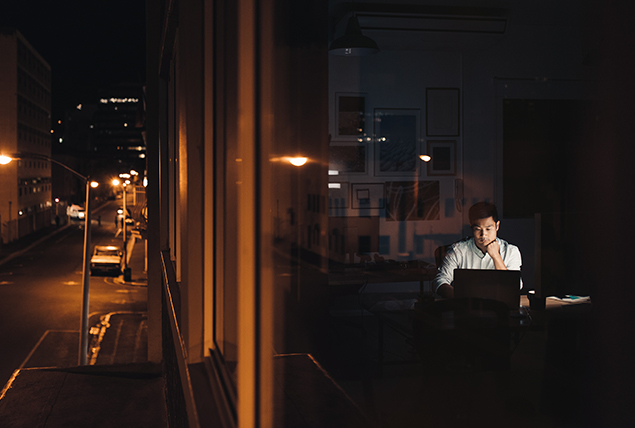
(482, 210)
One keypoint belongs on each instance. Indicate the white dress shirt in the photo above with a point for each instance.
(466, 255)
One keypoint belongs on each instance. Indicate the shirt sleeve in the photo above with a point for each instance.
(513, 259)
(445, 275)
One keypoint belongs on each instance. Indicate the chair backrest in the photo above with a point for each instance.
(439, 254)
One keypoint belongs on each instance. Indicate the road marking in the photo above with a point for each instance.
(33, 350)
(9, 383)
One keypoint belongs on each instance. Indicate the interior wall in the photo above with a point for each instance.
(542, 53)
(397, 80)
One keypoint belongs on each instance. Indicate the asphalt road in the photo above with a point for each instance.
(41, 297)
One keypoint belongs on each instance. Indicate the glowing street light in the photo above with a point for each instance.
(83, 343)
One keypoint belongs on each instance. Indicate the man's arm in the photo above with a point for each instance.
(446, 291)
(445, 275)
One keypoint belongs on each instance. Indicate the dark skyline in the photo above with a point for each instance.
(89, 45)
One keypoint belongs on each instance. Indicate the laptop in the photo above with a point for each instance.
(501, 285)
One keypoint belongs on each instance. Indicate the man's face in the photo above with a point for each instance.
(484, 230)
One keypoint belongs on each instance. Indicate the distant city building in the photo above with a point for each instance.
(119, 129)
(72, 145)
(102, 137)
(25, 124)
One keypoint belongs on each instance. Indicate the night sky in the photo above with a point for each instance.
(89, 44)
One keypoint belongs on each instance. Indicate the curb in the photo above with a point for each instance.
(129, 249)
(120, 281)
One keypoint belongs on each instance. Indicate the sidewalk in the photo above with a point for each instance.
(119, 388)
(19, 246)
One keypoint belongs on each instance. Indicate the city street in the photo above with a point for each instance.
(41, 295)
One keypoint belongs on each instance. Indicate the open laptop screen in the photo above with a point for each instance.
(501, 285)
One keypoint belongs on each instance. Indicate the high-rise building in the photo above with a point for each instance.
(118, 129)
(25, 116)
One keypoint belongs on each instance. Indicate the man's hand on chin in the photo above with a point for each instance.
(493, 249)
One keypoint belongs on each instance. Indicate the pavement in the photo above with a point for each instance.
(118, 387)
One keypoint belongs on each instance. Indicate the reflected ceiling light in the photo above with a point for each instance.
(353, 42)
(297, 161)
(335, 185)
(333, 172)
(425, 158)
(293, 160)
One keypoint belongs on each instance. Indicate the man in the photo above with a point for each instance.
(483, 251)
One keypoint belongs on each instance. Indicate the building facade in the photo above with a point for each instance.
(274, 165)
(25, 116)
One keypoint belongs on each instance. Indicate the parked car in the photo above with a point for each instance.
(106, 259)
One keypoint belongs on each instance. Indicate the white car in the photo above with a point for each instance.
(106, 259)
(75, 212)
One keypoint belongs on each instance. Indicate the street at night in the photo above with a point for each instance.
(41, 296)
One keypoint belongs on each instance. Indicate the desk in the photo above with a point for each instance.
(344, 278)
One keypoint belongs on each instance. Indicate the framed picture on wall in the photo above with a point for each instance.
(347, 159)
(442, 112)
(350, 116)
(397, 136)
(367, 195)
(443, 157)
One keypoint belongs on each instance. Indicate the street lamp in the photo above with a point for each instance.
(83, 343)
(116, 182)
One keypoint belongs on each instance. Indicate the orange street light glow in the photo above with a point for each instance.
(94, 184)
(4, 160)
(425, 158)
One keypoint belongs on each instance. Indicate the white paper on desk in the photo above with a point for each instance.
(393, 305)
(573, 299)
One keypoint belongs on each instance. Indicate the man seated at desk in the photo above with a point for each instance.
(482, 251)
